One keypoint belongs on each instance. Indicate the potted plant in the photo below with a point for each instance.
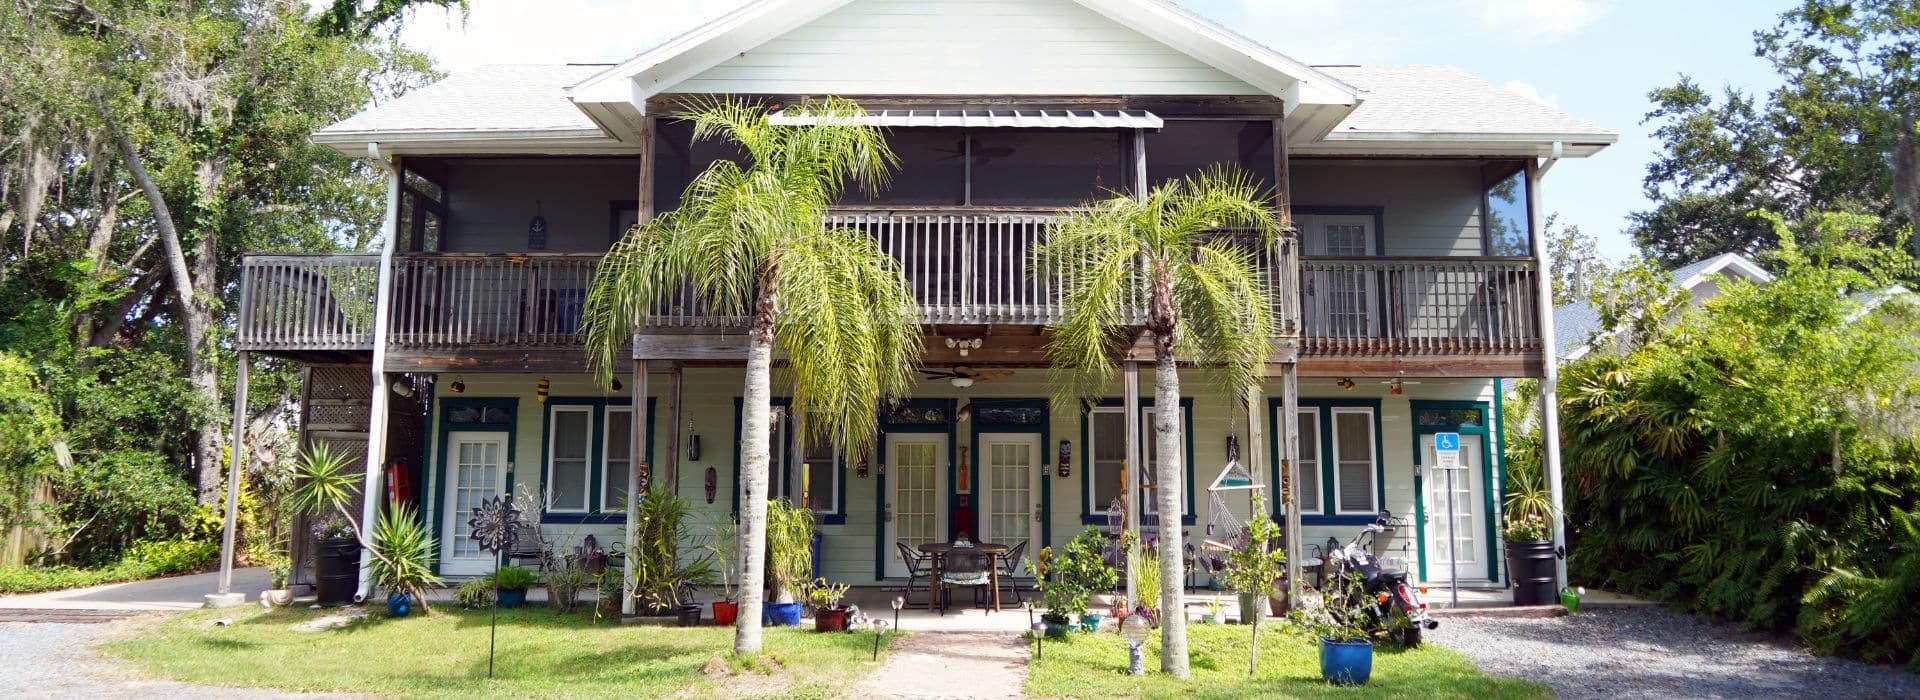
(1346, 650)
(790, 559)
(512, 582)
(610, 593)
(723, 548)
(1253, 570)
(325, 484)
(404, 561)
(1068, 581)
(662, 582)
(1059, 594)
(829, 610)
(474, 594)
(279, 568)
(1212, 615)
(1527, 529)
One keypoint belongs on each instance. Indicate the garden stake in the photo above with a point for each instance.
(495, 525)
(879, 628)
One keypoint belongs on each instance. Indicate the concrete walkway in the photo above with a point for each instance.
(171, 593)
(949, 665)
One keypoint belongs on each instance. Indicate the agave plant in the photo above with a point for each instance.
(405, 554)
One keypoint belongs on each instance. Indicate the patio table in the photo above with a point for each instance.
(939, 552)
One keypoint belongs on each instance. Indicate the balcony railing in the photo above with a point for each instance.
(964, 268)
(1419, 306)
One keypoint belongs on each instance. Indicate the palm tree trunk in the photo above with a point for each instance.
(1169, 482)
(756, 411)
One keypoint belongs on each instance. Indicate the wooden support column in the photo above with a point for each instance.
(1289, 422)
(636, 476)
(234, 460)
(1136, 467)
(1290, 474)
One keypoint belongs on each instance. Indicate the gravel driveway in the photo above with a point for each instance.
(57, 660)
(1651, 652)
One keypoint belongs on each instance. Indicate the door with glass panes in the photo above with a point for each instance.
(1467, 557)
(1010, 465)
(476, 471)
(916, 507)
(1340, 295)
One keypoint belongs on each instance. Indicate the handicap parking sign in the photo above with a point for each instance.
(1446, 450)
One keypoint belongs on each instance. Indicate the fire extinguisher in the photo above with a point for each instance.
(399, 483)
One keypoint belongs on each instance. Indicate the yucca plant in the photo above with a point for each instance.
(405, 554)
(326, 480)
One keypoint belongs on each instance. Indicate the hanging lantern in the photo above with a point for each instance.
(540, 390)
(1066, 458)
(537, 230)
(458, 387)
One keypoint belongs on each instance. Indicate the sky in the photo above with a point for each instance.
(1595, 59)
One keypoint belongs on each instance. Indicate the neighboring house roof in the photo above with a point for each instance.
(1575, 324)
(1425, 110)
(1415, 106)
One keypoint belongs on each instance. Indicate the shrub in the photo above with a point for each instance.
(143, 560)
(513, 578)
(1068, 580)
(110, 500)
(406, 554)
(476, 593)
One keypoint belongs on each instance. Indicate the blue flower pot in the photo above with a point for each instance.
(1346, 663)
(399, 604)
(782, 614)
(513, 597)
(1091, 622)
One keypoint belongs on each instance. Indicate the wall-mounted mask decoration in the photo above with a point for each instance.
(713, 483)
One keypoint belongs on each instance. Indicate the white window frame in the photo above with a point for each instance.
(607, 504)
(1148, 442)
(1318, 458)
(587, 462)
(1092, 460)
(1332, 467)
(802, 469)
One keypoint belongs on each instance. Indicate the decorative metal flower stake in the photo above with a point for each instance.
(494, 526)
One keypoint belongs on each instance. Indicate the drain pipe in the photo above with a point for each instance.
(1550, 372)
(377, 409)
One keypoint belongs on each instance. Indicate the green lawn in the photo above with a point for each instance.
(445, 655)
(1095, 666)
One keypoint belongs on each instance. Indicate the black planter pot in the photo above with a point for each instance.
(1531, 566)
(336, 571)
(689, 615)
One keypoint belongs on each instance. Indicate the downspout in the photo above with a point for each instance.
(1550, 373)
(377, 409)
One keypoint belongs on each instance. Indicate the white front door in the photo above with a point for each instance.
(1010, 499)
(476, 470)
(916, 507)
(1340, 297)
(1468, 556)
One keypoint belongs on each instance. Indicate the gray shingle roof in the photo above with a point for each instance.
(1447, 100)
(487, 98)
(1574, 325)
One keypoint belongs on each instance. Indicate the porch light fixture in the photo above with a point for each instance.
(402, 388)
(1345, 383)
(964, 346)
(1396, 387)
(458, 386)
(617, 386)
(961, 382)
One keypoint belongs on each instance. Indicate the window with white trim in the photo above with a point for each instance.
(1355, 465)
(1309, 486)
(569, 458)
(616, 459)
(806, 474)
(1107, 456)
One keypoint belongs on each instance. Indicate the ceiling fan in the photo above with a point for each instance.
(963, 376)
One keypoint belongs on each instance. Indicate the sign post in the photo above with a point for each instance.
(1446, 453)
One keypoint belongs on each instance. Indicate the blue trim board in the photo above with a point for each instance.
(1486, 467)
(1087, 516)
(1325, 460)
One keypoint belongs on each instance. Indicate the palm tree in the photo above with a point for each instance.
(1206, 299)
(751, 240)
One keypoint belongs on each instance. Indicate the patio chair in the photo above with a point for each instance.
(1009, 563)
(529, 544)
(963, 569)
(919, 566)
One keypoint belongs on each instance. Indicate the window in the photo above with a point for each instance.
(617, 462)
(569, 458)
(806, 474)
(1107, 441)
(1188, 146)
(1339, 458)
(1354, 463)
(1508, 227)
(1309, 486)
(821, 465)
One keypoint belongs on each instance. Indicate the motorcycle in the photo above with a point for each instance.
(1383, 595)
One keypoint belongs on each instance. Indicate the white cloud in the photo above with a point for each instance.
(553, 31)
(1527, 90)
(1529, 21)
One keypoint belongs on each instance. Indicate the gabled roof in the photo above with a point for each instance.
(658, 69)
(1409, 107)
(1575, 324)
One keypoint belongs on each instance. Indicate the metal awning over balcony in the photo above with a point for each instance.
(996, 118)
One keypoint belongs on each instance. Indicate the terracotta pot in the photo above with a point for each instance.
(830, 620)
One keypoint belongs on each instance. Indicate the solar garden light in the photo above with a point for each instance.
(1039, 630)
(879, 630)
(898, 603)
(1135, 629)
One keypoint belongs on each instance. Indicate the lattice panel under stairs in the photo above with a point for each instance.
(340, 382)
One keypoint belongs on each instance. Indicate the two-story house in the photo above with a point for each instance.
(454, 355)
